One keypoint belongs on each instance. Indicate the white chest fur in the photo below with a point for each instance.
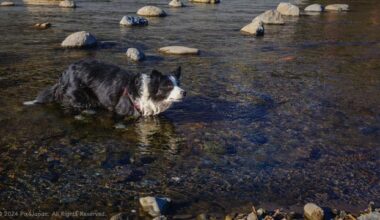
(148, 106)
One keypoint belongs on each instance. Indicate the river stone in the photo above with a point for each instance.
(7, 3)
(256, 28)
(288, 9)
(42, 25)
(79, 39)
(151, 11)
(270, 17)
(133, 21)
(120, 216)
(312, 212)
(40, 2)
(206, 1)
(135, 55)
(176, 4)
(154, 206)
(314, 8)
(337, 7)
(179, 50)
(67, 4)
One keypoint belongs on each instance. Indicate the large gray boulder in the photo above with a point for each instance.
(176, 4)
(314, 8)
(313, 212)
(154, 206)
(133, 21)
(337, 7)
(79, 39)
(67, 4)
(288, 9)
(254, 28)
(270, 17)
(135, 55)
(151, 11)
(179, 50)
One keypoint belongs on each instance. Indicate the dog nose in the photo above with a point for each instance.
(183, 93)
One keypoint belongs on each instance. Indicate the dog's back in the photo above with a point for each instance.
(90, 84)
(87, 84)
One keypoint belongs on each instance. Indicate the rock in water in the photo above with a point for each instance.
(314, 8)
(288, 9)
(135, 55)
(312, 212)
(270, 17)
(120, 216)
(176, 4)
(256, 28)
(133, 21)
(154, 206)
(151, 11)
(206, 1)
(7, 3)
(337, 7)
(79, 39)
(42, 25)
(67, 4)
(179, 50)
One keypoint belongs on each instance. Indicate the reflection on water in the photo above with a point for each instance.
(265, 120)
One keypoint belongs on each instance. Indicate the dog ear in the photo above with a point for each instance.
(177, 73)
(155, 74)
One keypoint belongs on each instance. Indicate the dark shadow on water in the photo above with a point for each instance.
(205, 109)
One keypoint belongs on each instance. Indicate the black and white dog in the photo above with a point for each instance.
(90, 84)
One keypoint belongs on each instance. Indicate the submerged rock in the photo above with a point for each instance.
(270, 17)
(179, 50)
(133, 21)
(7, 3)
(135, 55)
(79, 117)
(154, 206)
(67, 4)
(337, 7)
(255, 28)
(312, 212)
(79, 39)
(288, 9)
(206, 1)
(176, 4)
(120, 216)
(120, 126)
(151, 11)
(42, 25)
(314, 8)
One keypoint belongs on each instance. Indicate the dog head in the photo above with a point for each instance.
(166, 88)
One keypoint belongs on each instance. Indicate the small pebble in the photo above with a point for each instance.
(79, 117)
(120, 126)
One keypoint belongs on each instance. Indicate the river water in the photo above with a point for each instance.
(279, 120)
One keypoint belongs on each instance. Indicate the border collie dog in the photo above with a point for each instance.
(89, 84)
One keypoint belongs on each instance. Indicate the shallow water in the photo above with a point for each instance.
(281, 120)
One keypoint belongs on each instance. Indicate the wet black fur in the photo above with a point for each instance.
(89, 84)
